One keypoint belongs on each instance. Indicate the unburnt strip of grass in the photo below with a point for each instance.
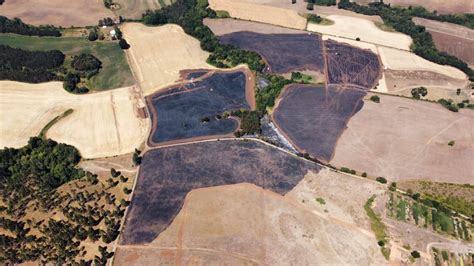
(115, 71)
(377, 226)
(45, 129)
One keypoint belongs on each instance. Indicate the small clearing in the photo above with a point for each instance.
(134, 9)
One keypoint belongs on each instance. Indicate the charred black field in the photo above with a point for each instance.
(282, 52)
(313, 118)
(350, 65)
(194, 109)
(167, 174)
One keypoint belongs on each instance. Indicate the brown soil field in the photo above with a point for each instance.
(353, 27)
(102, 124)
(245, 224)
(451, 38)
(404, 139)
(135, 8)
(401, 82)
(56, 12)
(228, 25)
(158, 54)
(441, 6)
(254, 11)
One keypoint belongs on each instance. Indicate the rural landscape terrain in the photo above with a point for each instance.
(237, 132)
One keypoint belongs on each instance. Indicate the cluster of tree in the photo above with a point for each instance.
(419, 92)
(323, 2)
(401, 20)
(86, 65)
(106, 22)
(29, 66)
(189, 15)
(29, 177)
(136, 158)
(18, 27)
(108, 3)
(71, 80)
(348, 170)
(249, 122)
(266, 96)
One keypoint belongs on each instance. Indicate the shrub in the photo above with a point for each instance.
(451, 143)
(364, 174)
(310, 6)
(419, 92)
(92, 36)
(381, 179)
(375, 98)
(123, 44)
(314, 18)
(415, 254)
(250, 122)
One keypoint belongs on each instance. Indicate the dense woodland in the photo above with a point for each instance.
(18, 27)
(29, 66)
(90, 211)
(401, 20)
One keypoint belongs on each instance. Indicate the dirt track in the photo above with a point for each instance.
(56, 12)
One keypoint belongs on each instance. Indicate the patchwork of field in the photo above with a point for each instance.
(313, 118)
(403, 139)
(283, 53)
(221, 26)
(56, 12)
(354, 27)
(351, 66)
(158, 54)
(135, 8)
(251, 10)
(441, 6)
(102, 124)
(451, 38)
(195, 109)
(168, 174)
(115, 71)
(245, 224)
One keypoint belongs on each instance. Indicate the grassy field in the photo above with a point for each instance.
(115, 72)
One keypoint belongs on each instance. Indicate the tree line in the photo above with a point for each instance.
(18, 27)
(401, 20)
(29, 66)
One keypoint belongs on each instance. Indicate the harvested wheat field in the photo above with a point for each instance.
(441, 6)
(56, 12)
(135, 8)
(158, 54)
(221, 26)
(400, 60)
(353, 27)
(451, 38)
(260, 13)
(245, 224)
(404, 139)
(101, 124)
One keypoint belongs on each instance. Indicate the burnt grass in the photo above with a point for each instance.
(351, 65)
(168, 174)
(314, 118)
(283, 52)
(178, 112)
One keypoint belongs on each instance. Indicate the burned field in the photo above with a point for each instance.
(313, 118)
(195, 108)
(283, 53)
(349, 65)
(168, 174)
